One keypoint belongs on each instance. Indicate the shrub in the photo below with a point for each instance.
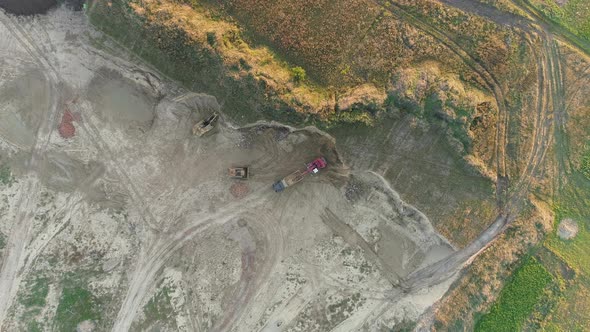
(5, 175)
(299, 74)
(211, 38)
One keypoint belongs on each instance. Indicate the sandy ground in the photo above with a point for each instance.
(144, 206)
(567, 229)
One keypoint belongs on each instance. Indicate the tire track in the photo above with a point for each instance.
(153, 258)
(487, 77)
(258, 272)
(354, 239)
(19, 238)
(99, 143)
(549, 99)
(48, 118)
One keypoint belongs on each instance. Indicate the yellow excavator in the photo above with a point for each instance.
(204, 126)
(238, 173)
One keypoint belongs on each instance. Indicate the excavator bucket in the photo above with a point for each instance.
(204, 126)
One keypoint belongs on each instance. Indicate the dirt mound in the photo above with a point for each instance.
(568, 228)
(67, 130)
(66, 127)
(239, 189)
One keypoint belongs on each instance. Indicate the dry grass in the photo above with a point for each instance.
(316, 34)
(260, 61)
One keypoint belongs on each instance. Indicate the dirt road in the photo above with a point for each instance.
(18, 253)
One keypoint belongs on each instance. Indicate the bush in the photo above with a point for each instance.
(211, 38)
(299, 74)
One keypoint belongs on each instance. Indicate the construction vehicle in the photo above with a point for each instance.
(238, 173)
(291, 179)
(204, 126)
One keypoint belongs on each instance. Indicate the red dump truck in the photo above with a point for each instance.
(289, 180)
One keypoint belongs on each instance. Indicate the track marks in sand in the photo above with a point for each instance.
(18, 253)
(353, 238)
(153, 258)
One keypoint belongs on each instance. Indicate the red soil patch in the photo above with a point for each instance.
(239, 189)
(66, 127)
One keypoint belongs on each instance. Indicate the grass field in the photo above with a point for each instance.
(574, 252)
(585, 167)
(572, 14)
(517, 299)
(572, 311)
(158, 310)
(76, 304)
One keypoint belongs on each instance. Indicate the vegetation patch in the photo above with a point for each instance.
(2, 241)
(572, 14)
(77, 304)
(204, 53)
(33, 298)
(518, 298)
(5, 175)
(159, 309)
(574, 252)
(585, 167)
(573, 310)
(36, 294)
(574, 203)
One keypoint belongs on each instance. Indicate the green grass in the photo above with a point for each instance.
(585, 167)
(34, 299)
(575, 252)
(37, 294)
(573, 311)
(299, 74)
(158, 309)
(77, 304)
(518, 298)
(5, 175)
(2, 241)
(574, 15)
(573, 202)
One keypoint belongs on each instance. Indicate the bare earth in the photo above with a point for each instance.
(133, 204)
(567, 229)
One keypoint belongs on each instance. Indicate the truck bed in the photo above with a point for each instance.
(294, 177)
(289, 180)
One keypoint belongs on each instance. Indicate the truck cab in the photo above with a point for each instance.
(278, 186)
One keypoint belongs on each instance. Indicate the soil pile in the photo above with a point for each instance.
(568, 228)
(239, 189)
(66, 127)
